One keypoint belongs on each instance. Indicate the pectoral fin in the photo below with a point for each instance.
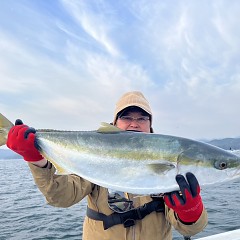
(161, 168)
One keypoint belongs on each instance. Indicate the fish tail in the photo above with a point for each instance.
(5, 126)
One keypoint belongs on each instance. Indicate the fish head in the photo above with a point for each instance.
(229, 162)
(209, 163)
(224, 161)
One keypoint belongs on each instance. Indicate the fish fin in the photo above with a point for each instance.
(161, 168)
(108, 128)
(5, 126)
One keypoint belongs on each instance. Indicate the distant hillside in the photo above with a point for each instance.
(8, 154)
(226, 143)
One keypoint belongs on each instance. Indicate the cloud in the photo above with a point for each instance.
(13, 68)
(64, 64)
(94, 23)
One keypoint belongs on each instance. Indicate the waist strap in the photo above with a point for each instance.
(127, 218)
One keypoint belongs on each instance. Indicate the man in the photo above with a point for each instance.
(113, 215)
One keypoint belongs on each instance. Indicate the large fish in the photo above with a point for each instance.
(134, 162)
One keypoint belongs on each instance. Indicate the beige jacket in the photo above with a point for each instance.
(66, 190)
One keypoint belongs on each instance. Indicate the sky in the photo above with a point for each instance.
(64, 64)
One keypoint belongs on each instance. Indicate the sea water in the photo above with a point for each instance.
(25, 214)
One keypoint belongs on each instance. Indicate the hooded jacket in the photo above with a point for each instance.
(67, 190)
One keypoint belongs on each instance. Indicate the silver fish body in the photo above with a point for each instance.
(134, 162)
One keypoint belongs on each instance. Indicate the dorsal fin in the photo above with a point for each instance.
(108, 128)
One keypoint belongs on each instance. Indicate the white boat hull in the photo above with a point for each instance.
(231, 235)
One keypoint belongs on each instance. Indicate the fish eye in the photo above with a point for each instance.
(222, 165)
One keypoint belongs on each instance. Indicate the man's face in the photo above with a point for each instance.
(134, 121)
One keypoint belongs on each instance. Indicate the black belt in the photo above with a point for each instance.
(127, 218)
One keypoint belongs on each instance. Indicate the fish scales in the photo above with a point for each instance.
(122, 144)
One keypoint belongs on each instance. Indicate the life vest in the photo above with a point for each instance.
(124, 212)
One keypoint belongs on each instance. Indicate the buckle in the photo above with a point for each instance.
(157, 196)
(128, 223)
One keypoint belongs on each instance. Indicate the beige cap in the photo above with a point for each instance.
(129, 99)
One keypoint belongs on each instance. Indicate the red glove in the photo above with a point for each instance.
(187, 205)
(21, 139)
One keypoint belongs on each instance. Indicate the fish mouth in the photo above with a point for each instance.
(234, 173)
(238, 171)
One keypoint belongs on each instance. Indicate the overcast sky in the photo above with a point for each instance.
(64, 64)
